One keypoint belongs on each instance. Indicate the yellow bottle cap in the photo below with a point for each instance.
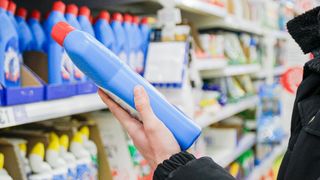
(54, 145)
(23, 147)
(64, 141)
(77, 138)
(53, 136)
(85, 131)
(234, 169)
(38, 149)
(1, 161)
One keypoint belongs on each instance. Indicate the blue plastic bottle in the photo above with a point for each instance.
(39, 37)
(129, 37)
(9, 50)
(119, 36)
(71, 17)
(118, 80)
(137, 61)
(59, 65)
(103, 31)
(11, 10)
(24, 32)
(84, 20)
(145, 35)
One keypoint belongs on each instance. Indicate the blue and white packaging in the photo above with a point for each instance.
(24, 32)
(119, 36)
(39, 37)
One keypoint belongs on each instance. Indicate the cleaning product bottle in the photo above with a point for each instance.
(3, 172)
(71, 17)
(84, 20)
(23, 153)
(10, 11)
(103, 31)
(39, 167)
(119, 36)
(24, 32)
(128, 46)
(92, 148)
(59, 65)
(137, 60)
(9, 50)
(145, 36)
(68, 156)
(119, 81)
(82, 156)
(58, 164)
(39, 37)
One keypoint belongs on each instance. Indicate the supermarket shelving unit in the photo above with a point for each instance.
(231, 70)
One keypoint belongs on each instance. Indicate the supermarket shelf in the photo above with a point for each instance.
(210, 64)
(23, 114)
(224, 157)
(277, 71)
(267, 163)
(277, 34)
(232, 70)
(207, 118)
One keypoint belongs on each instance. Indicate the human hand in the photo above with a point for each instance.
(151, 137)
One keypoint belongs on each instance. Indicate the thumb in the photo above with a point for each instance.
(142, 103)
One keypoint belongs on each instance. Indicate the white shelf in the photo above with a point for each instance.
(278, 34)
(277, 71)
(224, 157)
(210, 64)
(208, 118)
(268, 162)
(231, 70)
(22, 114)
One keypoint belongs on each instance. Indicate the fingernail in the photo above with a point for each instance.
(138, 89)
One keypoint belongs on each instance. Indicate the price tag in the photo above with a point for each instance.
(4, 117)
(12, 115)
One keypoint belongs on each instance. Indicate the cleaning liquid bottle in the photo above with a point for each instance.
(119, 81)
(9, 50)
(103, 31)
(145, 36)
(53, 158)
(137, 60)
(10, 11)
(39, 37)
(40, 168)
(129, 37)
(93, 150)
(59, 65)
(3, 172)
(68, 156)
(71, 17)
(119, 36)
(82, 156)
(84, 20)
(23, 153)
(24, 32)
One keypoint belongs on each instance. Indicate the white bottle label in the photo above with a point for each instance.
(123, 57)
(139, 61)
(66, 67)
(11, 62)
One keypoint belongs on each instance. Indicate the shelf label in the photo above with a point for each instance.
(12, 115)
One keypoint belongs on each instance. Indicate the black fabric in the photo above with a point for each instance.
(184, 166)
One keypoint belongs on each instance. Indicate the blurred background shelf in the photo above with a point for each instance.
(210, 64)
(277, 71)
(231, 70)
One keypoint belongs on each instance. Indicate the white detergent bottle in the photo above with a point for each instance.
(68, 156)
(58, 164)
(3, 173)
(23, 153)
(82, 156)
(41, 169)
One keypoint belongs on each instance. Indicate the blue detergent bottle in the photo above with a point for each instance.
(137, 41)
(119, 81)
(59, 65)
(119, 36)
(145, 36)
(24, 32)
(11, 10)
(39, 37)
(103, 31)
(84, 20)
(129, 37)
(9, 50)
(71, 17)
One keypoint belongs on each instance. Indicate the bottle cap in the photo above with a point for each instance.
(60, 31)
(54, 145)
(64, 141)
(59, 6)
(22, 12)
(77, 138)
(4, 4)
(144, 20)
(38, 149)
(72, 9)
(135, 20)
(85, 131)
(53, 136)
(1, 161)
(12, 7)
(117, 17)
(127, 18)
(23, 147)
(84, 11)
(35, 14)
(104, 15)
(47, 14)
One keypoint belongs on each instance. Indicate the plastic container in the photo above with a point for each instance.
(91, 147)
(40, 168)
(9, 50)
(129, 39)
(119, 36)
(58, 164)
(103, 30)
(137, 63)
(10, 11)
(145, 36)
(39, 37)
(84, 20)
(119, 81)
(24, 32)
(68, 156)
(3, 172)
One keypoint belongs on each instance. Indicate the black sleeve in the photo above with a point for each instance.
(184, 166)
